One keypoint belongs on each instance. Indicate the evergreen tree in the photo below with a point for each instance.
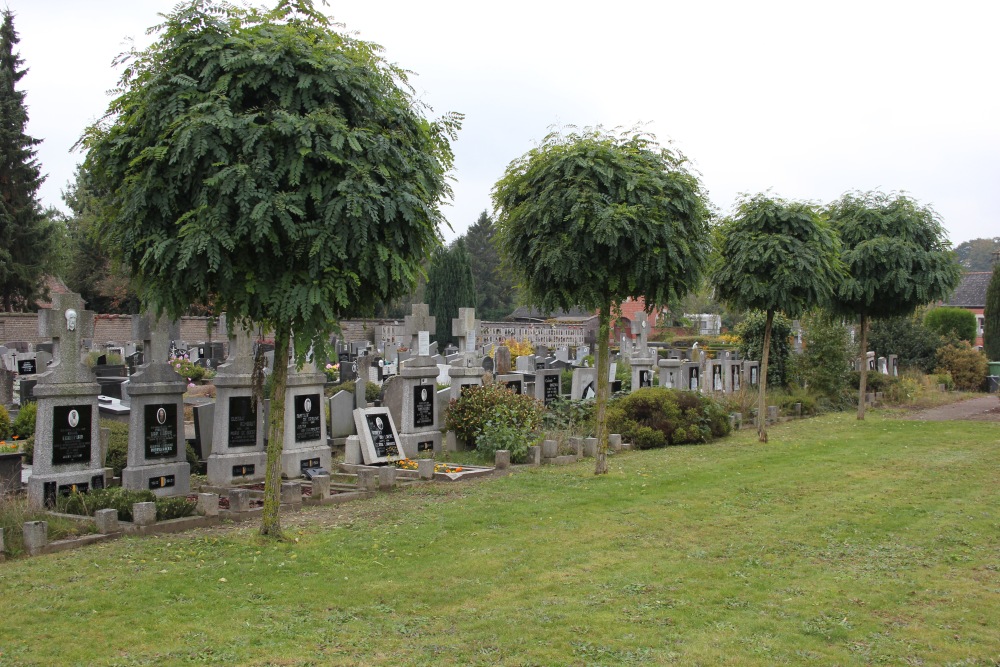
(450, 286)
(991, 328)
(24, 228)
(495, 293)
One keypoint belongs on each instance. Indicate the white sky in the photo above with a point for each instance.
(807, 99)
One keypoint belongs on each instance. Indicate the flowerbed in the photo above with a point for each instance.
(410, 464)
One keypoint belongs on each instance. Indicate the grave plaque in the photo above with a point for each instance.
(305, 464)
(551, 385)
(382, 436)
(242, 422)
(160, 432)
(162, 482)
(425, 446)
(307, 427)
(71, 434)
(424, 344)
(423, 405)
(244, 471)
(515, 386)
(26, 367)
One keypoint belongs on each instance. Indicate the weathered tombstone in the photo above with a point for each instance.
(883, 366)
(341, 415)
(525, 364)
(204, 428)
(643, 359)
(691, 374)
(751, 373)
(548, 385)
(502, 359)
(716, 375)
(893, 365)
(362, 369)
(670, 374)
(378, 436)
(465, 328)
(67, 427)
(304, 443)
(584, 383)
(238, 440)
(157, 459)
(734, 371)
(513, 381)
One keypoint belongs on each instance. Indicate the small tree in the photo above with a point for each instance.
(25, 232)
(495, 294)
(897, 258)
(752, 330)
(905, 336)
(449, 287)
(587, 219)
(827, 355)
(991, 315)
(774, 255)
(948, 321)
(263, 159)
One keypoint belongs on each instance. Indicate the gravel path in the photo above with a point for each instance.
(984, 409)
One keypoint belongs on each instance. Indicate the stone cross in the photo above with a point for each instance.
(66, 324)
(240, 357)
(156, 337)
(466, 327)
(640, 329)
(420, 322)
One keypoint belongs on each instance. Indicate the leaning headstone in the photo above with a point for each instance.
(341, 410)
(157, 456)
(67, 427)
(238, 439)
(378, 436)
(304, 444)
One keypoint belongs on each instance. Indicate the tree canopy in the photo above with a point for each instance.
(589, 218)
(495, 293)
(991, 317)
(775, 256)
(950, 321)
(26, 231)
(977, 254)
(264, 160)
(896, 256)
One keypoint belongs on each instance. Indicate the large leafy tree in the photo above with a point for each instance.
(775, 256)
(977, 254)
(908, 338)
(495, 294)
(449, 287)
(587, 219)
(896, 258)
(261, 158)
(991, 315)
(25, 230)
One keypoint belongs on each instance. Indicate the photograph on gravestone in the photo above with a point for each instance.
(71, 434)
(551, 388)
(307, 416)
(382, 437)
(160, 421)
(423, 405)
(242, 422)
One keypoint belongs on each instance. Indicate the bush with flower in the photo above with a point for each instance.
(186, 368)
(479, 406)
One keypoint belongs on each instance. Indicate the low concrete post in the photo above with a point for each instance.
(501, 459)
(291, 493)
(368, 479)
(144, 514)
(386, 478)
(425, 468)
(208, 504)
(36, 536)
(239, 500)
(615, 442)
(534, 455)
(550, 448)
(107, 521)
(321, 487)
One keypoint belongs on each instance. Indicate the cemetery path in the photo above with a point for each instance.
(983, 408)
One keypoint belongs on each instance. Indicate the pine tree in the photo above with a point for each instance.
(495, 293)
(24, 228)
(450, 286)
(991, 315)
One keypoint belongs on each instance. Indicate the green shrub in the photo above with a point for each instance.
(112, 358)
(174, 508)
(28, 450)
(372, 390)
(504, 431)
(966, 365)
(826, 359)
(656, 417)
(576, 417)
(478, 405)
(192, 458)
(5, 424)
(751, 331)
(948, 320)
(945, 379)
(115, 497)
(117, 454)
(24, 423)
(913, 343)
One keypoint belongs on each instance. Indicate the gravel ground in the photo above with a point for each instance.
(983, 409)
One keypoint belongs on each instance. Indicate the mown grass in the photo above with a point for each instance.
(838, 543)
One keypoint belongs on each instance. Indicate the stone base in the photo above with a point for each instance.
(139, 478)
(411, 441)
(291, 460)
(220, 468)
(83, 479)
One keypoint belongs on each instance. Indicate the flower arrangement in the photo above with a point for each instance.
(11, 447)
(410, 464)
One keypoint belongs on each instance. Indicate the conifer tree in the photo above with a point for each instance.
(449, 287)
(991, 315)
(24, 229)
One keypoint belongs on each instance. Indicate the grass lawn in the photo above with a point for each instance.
(838, 543)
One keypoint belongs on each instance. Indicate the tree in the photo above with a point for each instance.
(449, 287)
(948, 320)
(896, 257)
(587, 219)
(977, 254)
(24, 228)
(752, 331)
(495, 294)
(827, 354)
(776, 256)
(905, 336)
(260, 158)
(991, 315)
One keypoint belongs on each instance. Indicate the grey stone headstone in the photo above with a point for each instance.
(342, 415)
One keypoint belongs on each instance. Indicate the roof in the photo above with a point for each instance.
(971, 292)
(574, 315)
(53, 285)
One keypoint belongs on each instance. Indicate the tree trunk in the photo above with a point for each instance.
(762, 399)
(271, 519)
(864, 367)
(603, 388)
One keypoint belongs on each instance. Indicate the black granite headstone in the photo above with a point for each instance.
(307, 426)
(26, 367)
(71, 434)
(423, 405)
(160, 430)
(550, 388)
(383, 439)
(242, 422)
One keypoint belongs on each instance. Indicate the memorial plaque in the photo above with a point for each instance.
(753, 376)
(26, 367)
(616, 386)
(645, 379)
(425, 446)
(160, 422)
(164, 482)
(550, 387)
(423, 405)
(309, 463)
(242, 422)
(382, 437)
(244, 471)
(71, 434)
(307, 426)
(424, 343)
(68, 489)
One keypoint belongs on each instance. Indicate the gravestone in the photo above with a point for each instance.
(513, 381)
(304, 444)
(502, 359)
(584, 384)
(204, 429)
(525, 364)
(238, 439)
(157, 456)
(670, 374)
(548, 385)
(751, 373)
(893, 365)
(734, 374)
(716, 375)
(466, 329)
(341, 411)
(417, 415)
(378, 435)
(67, 427)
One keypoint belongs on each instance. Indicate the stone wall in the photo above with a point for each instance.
(107, 329)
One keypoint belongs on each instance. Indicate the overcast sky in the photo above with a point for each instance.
(807, 99)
